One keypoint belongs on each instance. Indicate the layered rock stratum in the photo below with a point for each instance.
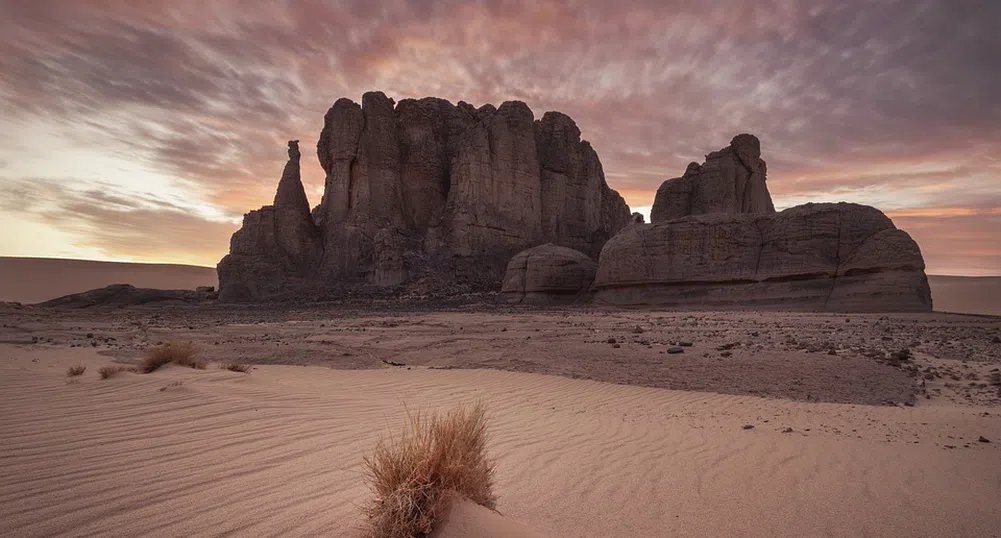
(424, 192)
(837, 257)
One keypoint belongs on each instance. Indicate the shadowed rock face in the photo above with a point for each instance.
(426, 191)
(840, 257)
(732, 180)
(548, 274)
(278, 247)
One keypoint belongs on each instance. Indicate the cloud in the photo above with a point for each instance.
(121, 225)
(892, 102)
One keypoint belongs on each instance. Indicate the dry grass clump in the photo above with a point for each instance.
(109, 371)
(414, 476)
(237, 367)
(74, 371)
(180, 353)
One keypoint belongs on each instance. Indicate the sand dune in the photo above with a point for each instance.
(966, 294)
(33, 280)
(466, 519)
(182, 452)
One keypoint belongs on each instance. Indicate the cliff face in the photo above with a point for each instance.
(278, 248)
(425, 190)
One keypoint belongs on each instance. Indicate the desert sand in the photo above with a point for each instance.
(278, 452)
(34, 280)
(603, 422)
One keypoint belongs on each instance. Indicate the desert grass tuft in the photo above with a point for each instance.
(414, 476)
(237, 367)
(180, 353)
(74, 371)
(110, 371)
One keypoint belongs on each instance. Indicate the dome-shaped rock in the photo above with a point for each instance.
(548, 274)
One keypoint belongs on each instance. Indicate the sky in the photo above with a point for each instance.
(142, 131)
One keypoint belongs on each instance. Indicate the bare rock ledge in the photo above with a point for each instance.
(834, 257)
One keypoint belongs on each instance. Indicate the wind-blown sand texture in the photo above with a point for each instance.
(278, 452)
(34, 280)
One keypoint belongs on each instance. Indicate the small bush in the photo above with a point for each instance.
(109, 371)
(74, 371)
(414, 476)
(180, 353)
(237, 367)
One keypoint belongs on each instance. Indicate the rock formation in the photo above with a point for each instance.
(732, 180)
(278, 248)
(841, 257)
(424, 191)
(548, 274)
(126, 295)
(716, 242)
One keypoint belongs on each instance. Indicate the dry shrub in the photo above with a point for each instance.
(414, 476)
(74, 371)
(237, 367)
(109, 371)
(180, 353)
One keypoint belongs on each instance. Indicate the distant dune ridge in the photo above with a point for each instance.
(34, 280)
(966, 294)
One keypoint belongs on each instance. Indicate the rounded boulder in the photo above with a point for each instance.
(548, 274)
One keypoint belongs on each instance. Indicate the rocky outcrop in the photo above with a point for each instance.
(840, 257)
(126, 295)
(425, 190)
(548, 274)
(278, 247)
(731, 181)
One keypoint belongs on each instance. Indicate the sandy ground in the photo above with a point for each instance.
(277, 452)
(808, 357)
(34, 280)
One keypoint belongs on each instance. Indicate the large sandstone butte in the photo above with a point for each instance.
(428, 193)
(716, 241)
